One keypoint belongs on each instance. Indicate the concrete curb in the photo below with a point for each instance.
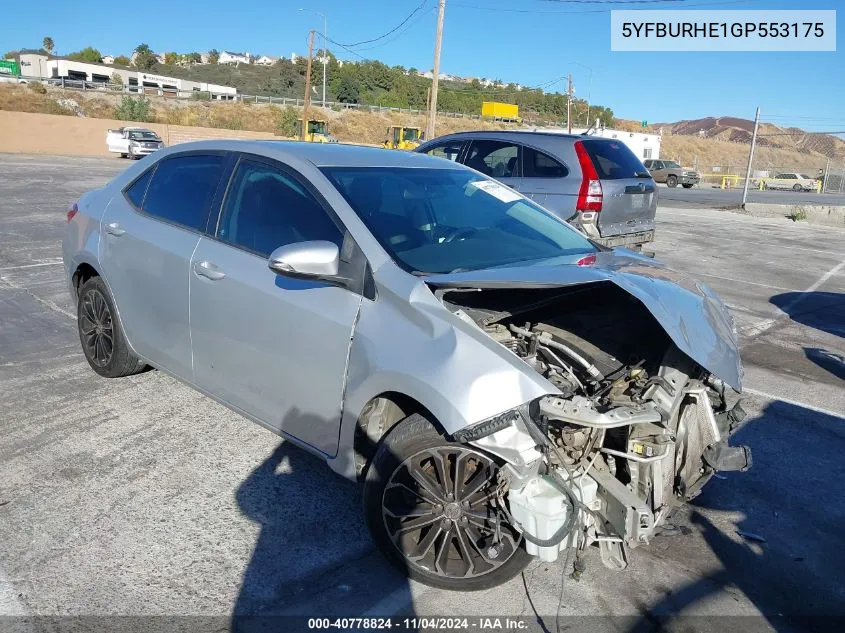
(826, 215)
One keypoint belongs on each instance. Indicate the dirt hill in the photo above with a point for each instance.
(736, 130)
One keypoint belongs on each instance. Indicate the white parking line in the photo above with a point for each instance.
(786, 310)
(745, 281)
(795, 403)
(38, 265)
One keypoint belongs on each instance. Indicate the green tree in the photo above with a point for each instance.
(347, 90)
(213, 56)
(122, 60)
(171, 58)
(144, 57)
(116, 78)
(193, 58)
(10, 55)
(131, 109)
(286, 123)
(48, 45)
(87, 54)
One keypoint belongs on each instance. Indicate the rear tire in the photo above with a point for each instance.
(797, 187)
(452, 547)
(101, 335)
(672, 181)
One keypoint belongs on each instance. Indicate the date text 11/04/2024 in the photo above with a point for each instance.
(421, 623)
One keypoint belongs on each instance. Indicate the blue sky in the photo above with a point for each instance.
(532, 42)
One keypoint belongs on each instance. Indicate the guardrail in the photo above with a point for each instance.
(202, 95)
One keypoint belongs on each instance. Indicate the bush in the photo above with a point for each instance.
(37, 88)
(287, 121)
(131, 109)
(201, 96)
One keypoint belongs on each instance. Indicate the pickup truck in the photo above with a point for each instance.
(672, 173)
(133, 142)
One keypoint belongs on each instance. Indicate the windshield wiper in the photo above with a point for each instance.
(642, 174)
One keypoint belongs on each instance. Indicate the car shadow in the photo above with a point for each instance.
(785, 554)
(830, 361)
(313, 556)
(823, 311)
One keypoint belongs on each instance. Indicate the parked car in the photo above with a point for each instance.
(796, 182)
(133, 142)
(502, 386)
(598, 185)
(672, 173)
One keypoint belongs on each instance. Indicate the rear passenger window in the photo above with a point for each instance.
(494, 158)
(613, 160)
(135, 192)
(536, 164)
(449, 151)
(266, 208)
(182, 188)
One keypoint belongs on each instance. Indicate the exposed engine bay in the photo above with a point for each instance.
(635, 428)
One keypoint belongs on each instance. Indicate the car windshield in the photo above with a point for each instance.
(450, 220)
(143, 136)
(671, 163)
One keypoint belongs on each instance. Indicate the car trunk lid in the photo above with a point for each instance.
(628, 194)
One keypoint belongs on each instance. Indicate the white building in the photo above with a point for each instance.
(267, 60)
(228, 57)
(140, 81)
(645, 146)
(108, 59)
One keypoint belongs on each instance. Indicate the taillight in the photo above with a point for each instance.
(590, 193)
(72, 210)
(587, 260)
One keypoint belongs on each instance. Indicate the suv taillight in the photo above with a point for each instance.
(590, 193)
(72, 210)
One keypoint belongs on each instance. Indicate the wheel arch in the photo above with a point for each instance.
(378, 417)
(82, 273)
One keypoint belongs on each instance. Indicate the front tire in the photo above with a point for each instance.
(102, 338)
(797, 188)
(427, 503)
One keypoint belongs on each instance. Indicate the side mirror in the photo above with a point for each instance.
(306, 259)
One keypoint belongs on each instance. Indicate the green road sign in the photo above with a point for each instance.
(645, 123)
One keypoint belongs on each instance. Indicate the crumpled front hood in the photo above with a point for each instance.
(693, 316)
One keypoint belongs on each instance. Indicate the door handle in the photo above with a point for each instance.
(114, 229)
(208, 270)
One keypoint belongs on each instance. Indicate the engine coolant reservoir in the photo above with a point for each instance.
(541, 508)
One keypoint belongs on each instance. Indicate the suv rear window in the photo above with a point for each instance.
(613, 160)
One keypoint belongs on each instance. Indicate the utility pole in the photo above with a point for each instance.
(569, 105)
(325, 46)
(432, 102)
(307, 101)
(750, 157)
(826, 174)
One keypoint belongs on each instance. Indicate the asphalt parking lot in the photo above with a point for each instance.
(141, 497)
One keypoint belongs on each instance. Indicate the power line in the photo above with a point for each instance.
(615, 3)
(402, 32)
(391, 31)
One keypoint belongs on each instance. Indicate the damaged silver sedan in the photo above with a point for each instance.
(502, 387)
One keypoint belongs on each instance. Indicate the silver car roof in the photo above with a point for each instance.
(322, 154)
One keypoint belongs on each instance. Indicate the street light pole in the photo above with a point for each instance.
(325, 59)
(750, 157)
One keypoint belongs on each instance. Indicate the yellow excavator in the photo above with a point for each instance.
(401, 137)
(317, 131)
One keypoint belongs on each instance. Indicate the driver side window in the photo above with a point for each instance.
(266, 208)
